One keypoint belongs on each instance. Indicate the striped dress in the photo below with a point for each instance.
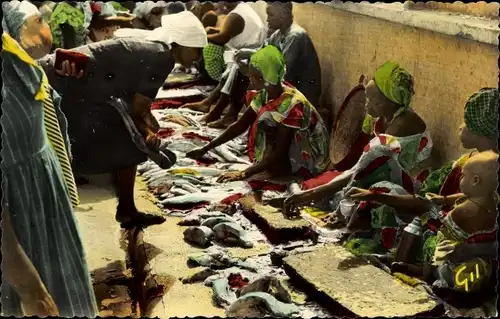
(35, 192)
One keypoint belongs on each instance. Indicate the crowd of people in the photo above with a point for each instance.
(60, 123)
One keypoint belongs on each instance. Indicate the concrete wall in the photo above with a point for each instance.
(447, 69)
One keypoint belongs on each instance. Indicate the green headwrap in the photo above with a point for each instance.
(271, 63)
(395, 83)
(481, 112)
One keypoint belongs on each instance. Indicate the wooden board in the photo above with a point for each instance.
(356, 285)
(273, 224)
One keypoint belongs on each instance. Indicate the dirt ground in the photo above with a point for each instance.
(101, 237)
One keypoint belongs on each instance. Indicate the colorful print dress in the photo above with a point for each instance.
(309, 149)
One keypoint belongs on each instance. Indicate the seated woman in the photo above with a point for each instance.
(480, 131)
(401, 140)
(287, 135)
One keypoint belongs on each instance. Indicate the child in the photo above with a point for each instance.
(474, 213)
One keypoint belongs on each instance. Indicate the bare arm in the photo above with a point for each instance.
(232, 26)
(271, 159)
(233, 131)
(409, 204)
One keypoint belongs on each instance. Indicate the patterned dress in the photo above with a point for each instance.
(309, 149)
(35, 193)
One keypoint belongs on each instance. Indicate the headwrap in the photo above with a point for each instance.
(271, 64)
(395, 83)
(15, 14)
(183, 28)
(481, 113)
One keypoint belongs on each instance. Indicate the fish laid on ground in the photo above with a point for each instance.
(214, 221)
(178, 191)
(152, 171)
(259, 304)
(222, 293)
(200, 236)
(232, 233)
(195, 218)
(228, 156)
(268, 284)
(195, 171)
(146, 166)
(217, 157)
(182, 146)
(199, 276)
(200, 197)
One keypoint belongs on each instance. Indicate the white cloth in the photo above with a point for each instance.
(142, 10)
(183, 28)
(254, 33)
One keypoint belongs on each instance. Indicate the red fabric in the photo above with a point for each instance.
(295, 116)
(166, 104)
(451, 185)
(423, 143)
(482, 237)
(388, 237)
(164, 133)
(231, 199)
(237, 281)
(252, 134)
(322, 179)
(194, 136)
(373, 166)
(407, 182)
(423, 175)
(266, 186)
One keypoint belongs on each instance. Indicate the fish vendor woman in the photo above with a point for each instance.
(287, 135)
(100, 140)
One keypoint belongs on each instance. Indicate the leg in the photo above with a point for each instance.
(236, 100)
(216, 112)
(204, 106)
(127, 214)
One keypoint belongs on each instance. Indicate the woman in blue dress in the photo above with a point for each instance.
(44, 267)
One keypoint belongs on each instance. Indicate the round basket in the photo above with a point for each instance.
(348, 124)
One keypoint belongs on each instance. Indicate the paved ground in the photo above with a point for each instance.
(101, 236)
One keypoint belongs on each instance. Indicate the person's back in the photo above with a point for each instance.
(254, 32)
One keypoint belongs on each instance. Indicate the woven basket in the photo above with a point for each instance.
(348, 124)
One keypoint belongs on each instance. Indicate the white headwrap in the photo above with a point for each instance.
(15, 14)
(183, 28)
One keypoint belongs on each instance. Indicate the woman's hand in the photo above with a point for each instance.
(152, 141)
(197, 153)
(290, 206)
(69, 70)
(359, 194)
(231, 177)
(435, 199)
(39, 303)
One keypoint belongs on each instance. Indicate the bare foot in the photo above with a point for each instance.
(198, 106)
(223, 122)
(210, 117)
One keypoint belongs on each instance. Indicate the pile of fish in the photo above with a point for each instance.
(190, 182)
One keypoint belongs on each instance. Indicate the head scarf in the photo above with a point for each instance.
(183, 28)
(395, 83)
(271, 64)
(481, 113)
(15, 14)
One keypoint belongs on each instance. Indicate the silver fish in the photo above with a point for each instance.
(230, 157)
(181, 146)
(178, 191)
(196, 198)
(217, 157)
(189, 188)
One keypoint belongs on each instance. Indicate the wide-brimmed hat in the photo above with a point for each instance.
(348, 124)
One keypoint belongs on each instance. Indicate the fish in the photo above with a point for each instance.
(146, 166)
(214, 221)
(199, 276)
(182, 146)
(259, 304)
(230, 157)
(195, 198)
(219, 158)
(196, 171)
(188, 187)
(198, 235)
(222, 293)
(178, 191)
(232, 233)
(152, 171)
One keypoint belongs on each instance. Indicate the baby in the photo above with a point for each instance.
(474, 213)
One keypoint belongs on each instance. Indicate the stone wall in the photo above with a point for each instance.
(447, 69)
